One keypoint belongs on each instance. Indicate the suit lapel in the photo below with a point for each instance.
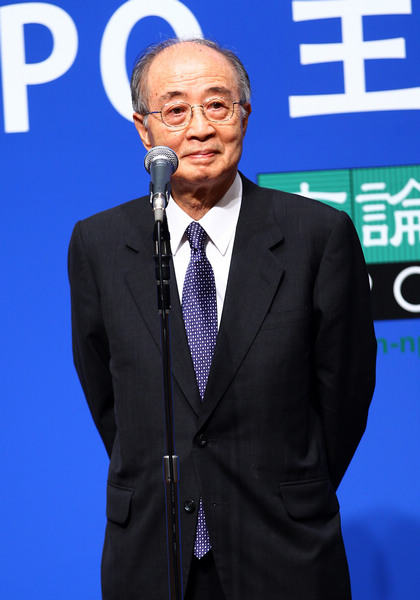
(142, 284)
(254, 277)
(182, 365)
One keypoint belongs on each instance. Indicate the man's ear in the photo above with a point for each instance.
(248, 109)
(142, 130)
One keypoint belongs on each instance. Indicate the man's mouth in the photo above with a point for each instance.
(201, 154)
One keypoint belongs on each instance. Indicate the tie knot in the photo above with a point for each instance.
(196, 235)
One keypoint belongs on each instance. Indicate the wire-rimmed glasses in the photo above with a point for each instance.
(178, 114)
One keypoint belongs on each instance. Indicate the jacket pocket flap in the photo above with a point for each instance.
(308, 499)
(118, 501)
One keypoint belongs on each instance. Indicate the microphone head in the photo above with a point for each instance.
(161, 152)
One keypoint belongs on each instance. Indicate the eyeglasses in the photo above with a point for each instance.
(177, 115)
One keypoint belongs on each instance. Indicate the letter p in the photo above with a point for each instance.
(16, 73)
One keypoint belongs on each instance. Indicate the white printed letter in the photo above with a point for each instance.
(116, 34)
(353, 51)
(16, 73)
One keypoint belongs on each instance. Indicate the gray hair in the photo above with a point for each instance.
(139, 91)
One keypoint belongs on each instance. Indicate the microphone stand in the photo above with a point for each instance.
(162, 258)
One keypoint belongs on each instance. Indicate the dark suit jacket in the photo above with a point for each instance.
(285, 406)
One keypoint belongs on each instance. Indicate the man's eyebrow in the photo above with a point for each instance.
(220, 90)
(169, 95)
(216, 89)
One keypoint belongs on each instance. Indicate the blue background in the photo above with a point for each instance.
(81, 156)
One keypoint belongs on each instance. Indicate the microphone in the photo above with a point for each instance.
(161, 162)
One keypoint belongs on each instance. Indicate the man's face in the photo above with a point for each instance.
(208, 152)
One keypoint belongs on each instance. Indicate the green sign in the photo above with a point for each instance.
(384, 204)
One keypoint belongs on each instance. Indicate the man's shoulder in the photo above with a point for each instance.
(120, 212)
(118, 220)
(291, 210)
(286, 200)
(129, 222)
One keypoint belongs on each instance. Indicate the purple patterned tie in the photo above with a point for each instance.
(199, 308)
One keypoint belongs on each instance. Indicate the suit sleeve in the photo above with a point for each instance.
(90, 342)
(344, 345)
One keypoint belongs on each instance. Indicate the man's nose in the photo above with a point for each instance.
(199, 124)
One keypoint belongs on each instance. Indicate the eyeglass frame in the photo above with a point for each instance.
(179, 127)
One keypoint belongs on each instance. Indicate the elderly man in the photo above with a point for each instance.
(273, 356)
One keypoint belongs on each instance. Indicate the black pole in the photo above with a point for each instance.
(170, 460)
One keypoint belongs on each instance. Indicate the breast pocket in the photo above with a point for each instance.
(282, 318)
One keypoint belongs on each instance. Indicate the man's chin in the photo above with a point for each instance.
(195, 175)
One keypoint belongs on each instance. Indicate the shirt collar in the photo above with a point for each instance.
(219, 222)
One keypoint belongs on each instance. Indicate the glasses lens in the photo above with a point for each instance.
(176, 114)
(218, 109)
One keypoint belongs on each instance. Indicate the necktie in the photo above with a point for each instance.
(199, 310)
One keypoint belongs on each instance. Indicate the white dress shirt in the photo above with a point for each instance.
(220, 225)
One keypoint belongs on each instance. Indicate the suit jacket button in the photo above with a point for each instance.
(189, 506)
(201, 440)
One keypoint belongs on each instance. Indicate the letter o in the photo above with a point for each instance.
(115, 37)
(399, 280)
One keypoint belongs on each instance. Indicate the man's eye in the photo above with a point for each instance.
(215, 105)
(177, 110)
